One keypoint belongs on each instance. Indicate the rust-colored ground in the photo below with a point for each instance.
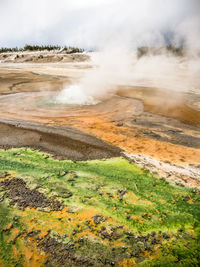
(133, 141)
(102, 120)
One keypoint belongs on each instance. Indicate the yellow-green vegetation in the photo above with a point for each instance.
(93, 213)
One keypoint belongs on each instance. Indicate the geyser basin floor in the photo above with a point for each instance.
(93, 213)
(119, 121)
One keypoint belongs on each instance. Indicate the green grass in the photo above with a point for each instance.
(150, 205)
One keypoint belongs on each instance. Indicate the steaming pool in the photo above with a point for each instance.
(44, 104)
(36, 102)
(72, 102)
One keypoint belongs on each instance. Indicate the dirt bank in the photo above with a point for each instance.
(67, 143)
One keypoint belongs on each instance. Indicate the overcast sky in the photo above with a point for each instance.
(92, 23)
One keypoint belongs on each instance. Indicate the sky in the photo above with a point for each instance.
(94, 23)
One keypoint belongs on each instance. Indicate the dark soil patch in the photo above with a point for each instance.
(21, 195)
(91, 254)
(62, 254)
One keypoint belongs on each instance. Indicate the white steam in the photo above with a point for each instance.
(75, 95)
(153, 24)
(121, 67)
(110, 68)
(116, 28)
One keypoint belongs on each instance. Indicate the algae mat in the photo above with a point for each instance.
(93, 213)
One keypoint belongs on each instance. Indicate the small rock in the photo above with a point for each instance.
(122, 192)
(74, 232)
(166, 236)
(105, 234)
(98, 218)
(153, 234)
(186, 198)
(154, 241)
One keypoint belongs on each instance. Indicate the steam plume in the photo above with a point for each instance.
(115, 28)
(117, 62)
